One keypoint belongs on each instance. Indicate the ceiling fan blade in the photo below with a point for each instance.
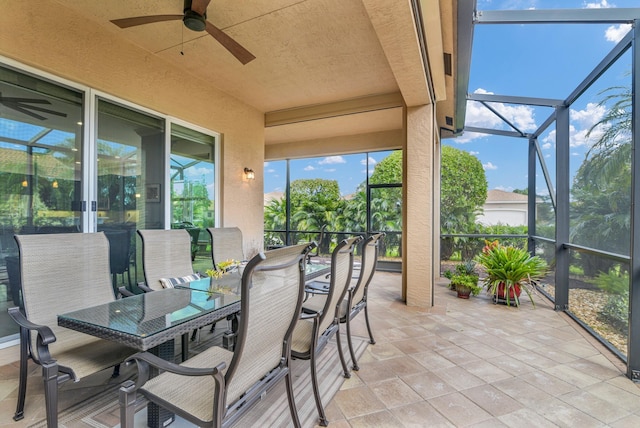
(243, 55)
(141, 20)
(200, 6)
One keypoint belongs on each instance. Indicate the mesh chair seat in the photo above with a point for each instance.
(85, 354)
(179, 390)
(302, 337)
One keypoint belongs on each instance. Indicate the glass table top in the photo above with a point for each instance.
(149, 313)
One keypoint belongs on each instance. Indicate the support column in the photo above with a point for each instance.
(633, 348)
(562, 208)
(420, 231)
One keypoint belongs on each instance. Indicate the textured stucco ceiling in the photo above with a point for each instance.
(308, 53)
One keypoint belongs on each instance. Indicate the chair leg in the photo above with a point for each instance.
(345, 370)
(366, 317)
(292, 402)
(316, 391)
(50, 378)
(24, 362)
(194, 334)
(355, 366)
(127, 398)
(130, 288)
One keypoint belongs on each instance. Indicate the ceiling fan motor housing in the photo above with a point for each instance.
(193, 20)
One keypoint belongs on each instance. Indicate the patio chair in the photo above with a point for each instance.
(226, 243)
(119, 255)
(54, 283)
(356, 298)
(320, 241)
(166, 262)
(166, 258)
(214, 388)
(320, 319)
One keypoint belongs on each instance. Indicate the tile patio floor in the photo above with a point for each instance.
(463, 363)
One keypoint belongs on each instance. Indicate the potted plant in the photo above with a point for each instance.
(465, 284)
(464, 280)
(509, 271)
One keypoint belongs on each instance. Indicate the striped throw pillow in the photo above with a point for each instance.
(172, 282)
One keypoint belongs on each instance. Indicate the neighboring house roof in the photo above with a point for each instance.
(495, 196)
(268, 197)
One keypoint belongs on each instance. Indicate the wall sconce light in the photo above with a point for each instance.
(249, 174)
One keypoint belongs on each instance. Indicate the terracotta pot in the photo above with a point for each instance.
(463, 292)
(513, 291)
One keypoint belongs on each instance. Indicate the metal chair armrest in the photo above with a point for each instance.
(45, 333)
(142, 286)
(145, 360)
(124, 292)
(308, 314)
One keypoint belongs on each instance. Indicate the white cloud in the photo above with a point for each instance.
(474, 153)
(270, 171)
(478, 115)
(602, 4)
(309, 168)
(330, 170)
(372, 161)
(489, 166)
(197, 172)
(266, 164)
(331, 160)
(615, 33)
(581, 122)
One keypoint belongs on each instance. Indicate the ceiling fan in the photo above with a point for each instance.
(194, 18)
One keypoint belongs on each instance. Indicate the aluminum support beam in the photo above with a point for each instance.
(557, 16)
(602, 66)
(633, 347)
(562, 208)
(531, 196)
(504, 119)
(494, 132)
(509, 99)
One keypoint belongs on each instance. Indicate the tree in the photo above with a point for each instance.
(462, 194)
(388, 170)
(601, 191)
(313, 203)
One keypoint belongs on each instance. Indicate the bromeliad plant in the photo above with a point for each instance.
(222, 268)
(509, 269)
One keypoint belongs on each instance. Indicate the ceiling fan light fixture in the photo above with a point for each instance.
(194, 21)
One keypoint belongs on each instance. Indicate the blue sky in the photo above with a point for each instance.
(532, 60)
(546, 61)
(349, 170)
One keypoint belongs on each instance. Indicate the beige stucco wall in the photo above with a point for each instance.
(418, 212)
(387, 140)
(54, 39)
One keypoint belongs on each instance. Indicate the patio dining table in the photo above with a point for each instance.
(152, 321)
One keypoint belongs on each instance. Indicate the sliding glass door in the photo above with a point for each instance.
(41, 170)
